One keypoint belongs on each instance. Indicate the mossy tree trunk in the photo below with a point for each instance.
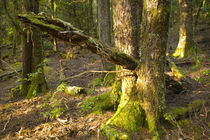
(151, 77)
(186, 46)
(129, 116)
(32, 57)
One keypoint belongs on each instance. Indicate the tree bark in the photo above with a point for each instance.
(104, 26)
(186, 45)
(129, 116)
(32, 57)
(54, 41)
(90, 19)
(151, 77)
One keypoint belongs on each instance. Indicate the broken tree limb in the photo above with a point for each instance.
(65, 31)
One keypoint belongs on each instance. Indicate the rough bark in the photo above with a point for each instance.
(129, 116)
(151, 77)
(186, 45)
(104, 25)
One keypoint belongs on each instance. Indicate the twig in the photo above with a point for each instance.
(92, 71)
(5, 125)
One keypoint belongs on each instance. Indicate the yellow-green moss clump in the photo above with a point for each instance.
(112, 133)
(73, 90)
(97, 104)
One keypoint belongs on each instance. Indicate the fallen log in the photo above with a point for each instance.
(3, 46)
(8, 75)
(175, 113)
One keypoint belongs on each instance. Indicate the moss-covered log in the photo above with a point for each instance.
(65, 31)
(175, 113)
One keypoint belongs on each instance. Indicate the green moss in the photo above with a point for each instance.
(37, 86)
(103, 80)
(48, 72)
(15, 91)
(175, 70)
(97, 104)
(113, 134)
(73, 90)
(128, 117)
(34, 19)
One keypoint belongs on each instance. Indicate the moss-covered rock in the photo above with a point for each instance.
(99, 103)
(74, 90)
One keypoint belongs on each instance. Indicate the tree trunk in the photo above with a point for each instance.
(186, 45)
(54, 41)
(15, 35)
(151, 77)
(104, 26)
(201, 4)
(27, 60)
(129, 116)
(33, 76)
(0, 58)
(90, 19)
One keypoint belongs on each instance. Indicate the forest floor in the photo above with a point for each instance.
(23, 118)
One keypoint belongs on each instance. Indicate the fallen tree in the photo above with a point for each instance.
(66, 32)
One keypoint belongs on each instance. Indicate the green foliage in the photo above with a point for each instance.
(15, 91)
(47, 45)
(61, 87)
(98, 103)
(86, 105)
(200, 77)
(52, 106)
